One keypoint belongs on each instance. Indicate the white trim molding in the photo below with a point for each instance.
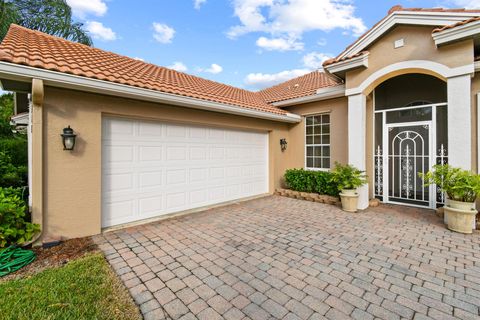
(439, 69)
(322, 94)
(353, 63)
(423, 18)
(68, 81)
(457, 33)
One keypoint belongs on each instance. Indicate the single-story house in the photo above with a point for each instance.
(153, 141)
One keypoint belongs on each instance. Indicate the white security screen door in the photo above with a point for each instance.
(409, 141)
(410, 153)
(155, 168)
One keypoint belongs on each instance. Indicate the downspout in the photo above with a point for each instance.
(35, 160)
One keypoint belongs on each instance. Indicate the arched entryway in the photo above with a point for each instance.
(410, 136)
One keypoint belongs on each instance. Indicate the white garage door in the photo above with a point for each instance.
(153, 168)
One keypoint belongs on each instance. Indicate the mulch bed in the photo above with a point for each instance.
(55, 257)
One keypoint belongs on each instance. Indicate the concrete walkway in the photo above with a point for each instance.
(280, 258)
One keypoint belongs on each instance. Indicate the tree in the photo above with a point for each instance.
(50, 16)
(6, 112)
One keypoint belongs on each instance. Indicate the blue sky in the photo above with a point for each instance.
(246, 43)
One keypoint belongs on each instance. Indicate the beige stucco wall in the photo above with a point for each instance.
(338, 109)
(72, 180)
(419, 45)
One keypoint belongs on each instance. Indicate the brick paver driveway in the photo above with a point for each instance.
(280, 258)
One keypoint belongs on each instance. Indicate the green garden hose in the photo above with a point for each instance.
(14, 258)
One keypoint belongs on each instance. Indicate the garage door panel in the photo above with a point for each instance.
(148, 206)
(152, 168)
(115, 182)
(118, 128)
(176, 153)
(176, 176)
(176, 200)
(198, 153)
(176, 131)
(151, 179)
(150, 130)
(149, 153)
(118, 153)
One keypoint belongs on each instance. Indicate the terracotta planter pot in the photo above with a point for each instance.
(349, 200)
(460, 220)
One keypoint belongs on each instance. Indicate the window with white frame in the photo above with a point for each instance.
(317, 141)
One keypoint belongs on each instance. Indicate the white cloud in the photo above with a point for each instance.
(99, 31)
(81, 8)
(289, 19)
(471, 4)
(163, 33)
(311, 61)
(265, 80)
(315, 60)
(139, 59)
(213, 69)
(198, 3)
(322, 42)
(178, 66)
(279, 44)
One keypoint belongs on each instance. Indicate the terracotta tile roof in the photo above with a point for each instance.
(35, 49)
(400, 8)
(335, 60)
(302, 86)
(458, 24)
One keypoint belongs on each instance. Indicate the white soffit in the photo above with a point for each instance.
(352, 63)
(456, 33)
(421, 18)
(321, 94)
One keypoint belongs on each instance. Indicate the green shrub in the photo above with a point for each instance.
(17, 149)
(10, 175)
(347, 177)
(310, 181)
(458, 184)
(14, 229)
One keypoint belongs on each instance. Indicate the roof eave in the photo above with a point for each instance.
(458, 33)
(424, 18)
(339, 68)
(68, 81)
(321, 94)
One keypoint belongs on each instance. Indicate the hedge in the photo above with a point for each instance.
(311, 181)
(17, 149)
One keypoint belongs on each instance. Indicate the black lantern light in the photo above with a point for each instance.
(283, 144)
(68, 138)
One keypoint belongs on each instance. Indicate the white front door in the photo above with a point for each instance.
(155, 168)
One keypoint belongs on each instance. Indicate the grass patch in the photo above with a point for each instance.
(83, 289)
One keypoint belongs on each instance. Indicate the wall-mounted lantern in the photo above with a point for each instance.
(68, 138)
(283, 144)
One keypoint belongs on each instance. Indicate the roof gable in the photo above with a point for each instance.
(410, 16)
(302, 86)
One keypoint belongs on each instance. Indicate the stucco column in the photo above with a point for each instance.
(357, 130)
(36, 155)
(459, 121)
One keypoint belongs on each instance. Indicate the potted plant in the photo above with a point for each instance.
(462, 188)
(348, 179)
